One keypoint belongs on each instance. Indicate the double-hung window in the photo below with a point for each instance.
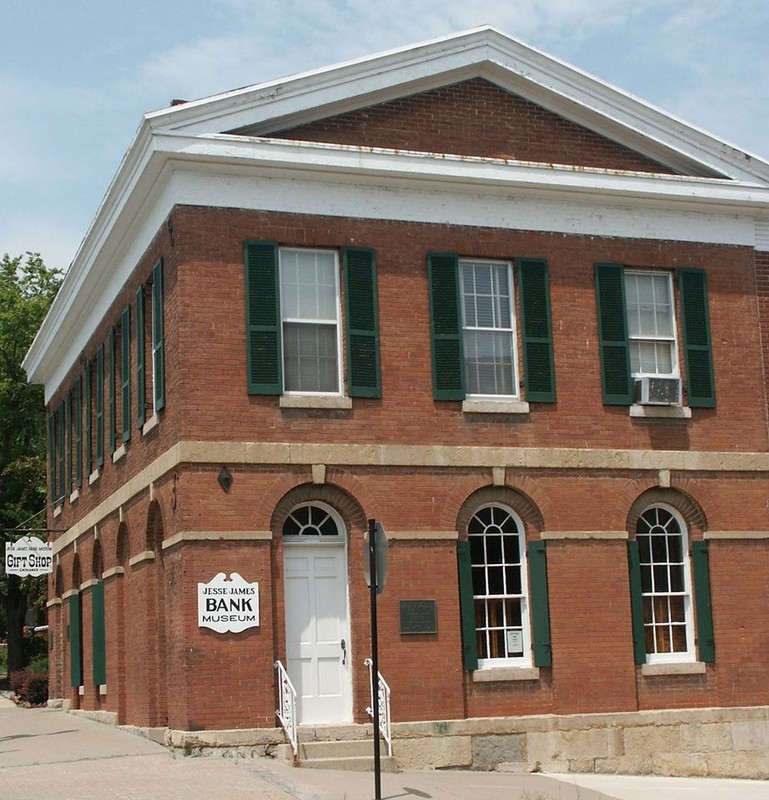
(503, 593)
(669, 581)
(488, 329)
(475, 332)
(307, 317)
(310, 313)
(638, 331)
(651, 324)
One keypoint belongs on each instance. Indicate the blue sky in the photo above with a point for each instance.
(75, 78)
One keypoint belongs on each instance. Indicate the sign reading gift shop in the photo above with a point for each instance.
(28, 556)
(228, 605)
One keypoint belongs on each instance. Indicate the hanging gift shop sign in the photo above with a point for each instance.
(228, 605)
(28, 556)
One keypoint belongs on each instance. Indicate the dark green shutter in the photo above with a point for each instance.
(445, 326)
(52, 456)
(540, 607)
(537, 333)
(112, 421)
(467, 606)
(702, 600)
(60, 427)
(636, 602)
(75, 641)
(125, 373)
(67, 487)
(88, 421)
(263, 323)
(141, 388)
(700, 384)
(362, 316)
(612, 335)
(78, 411)
(98, 635)
(100, 407)
(158, 338)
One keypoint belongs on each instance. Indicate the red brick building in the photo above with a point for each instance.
(509, 311)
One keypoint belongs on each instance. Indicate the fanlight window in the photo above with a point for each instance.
(312, 522)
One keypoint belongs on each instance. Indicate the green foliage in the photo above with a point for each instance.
(27, 288)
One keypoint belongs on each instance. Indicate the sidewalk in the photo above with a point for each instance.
(51, 755)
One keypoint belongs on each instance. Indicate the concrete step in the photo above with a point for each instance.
(355, 755)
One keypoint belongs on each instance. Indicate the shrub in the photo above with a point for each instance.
(36, 688)
(29, 687)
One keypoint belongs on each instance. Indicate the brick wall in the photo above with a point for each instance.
(474, 118)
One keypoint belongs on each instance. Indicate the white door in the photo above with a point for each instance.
(318, 631)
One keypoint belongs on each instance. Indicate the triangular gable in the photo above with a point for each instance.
(474, 118)
(486, 53)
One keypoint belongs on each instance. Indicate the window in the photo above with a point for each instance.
(488, 333)
(670, 590)
(310, 315)
(474, 334)
(503, 593)
(297, 331)
(665, 585)
(499, 587)
(638, 331)
(651, 323)
(312, 522)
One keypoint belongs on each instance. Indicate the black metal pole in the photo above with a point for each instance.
(374, 658)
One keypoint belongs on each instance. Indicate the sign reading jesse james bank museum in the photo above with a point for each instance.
(228, 606)
(28, 556)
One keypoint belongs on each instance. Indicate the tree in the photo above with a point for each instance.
(27, 288)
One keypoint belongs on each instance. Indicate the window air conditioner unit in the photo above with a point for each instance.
(658, 391)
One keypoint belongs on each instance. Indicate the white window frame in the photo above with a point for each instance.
(290, 540)
(675, 373)
(689, 654)
(293, 320)
(513, 330)
(526, 659)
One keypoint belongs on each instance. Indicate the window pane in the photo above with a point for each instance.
(489, 362)
(651, 323)
(308, 285)
(496, 580)
(310, 358)
(493, 549)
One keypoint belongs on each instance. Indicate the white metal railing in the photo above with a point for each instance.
(383, 699)
(286, 712)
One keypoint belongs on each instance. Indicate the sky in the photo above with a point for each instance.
(76, 77)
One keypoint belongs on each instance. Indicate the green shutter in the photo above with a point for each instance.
(125, 373)
(88, 420)
(537, 335)
(702, 600)
(141, 388)
(158, 338)
(112, 421)
(467, 606)
(60, 426)
(78, 411)
(67, 486)
(700, 383)
(75, 641)
(636, 602)
(52, 456)
(362, 315)
(540, 606)
(98, 635)
(445, 326)
(263, 323)
(100, 407)
(612, 335)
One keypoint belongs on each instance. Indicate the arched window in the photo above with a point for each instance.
(314, 522)
(498, 558)
(665, 585)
